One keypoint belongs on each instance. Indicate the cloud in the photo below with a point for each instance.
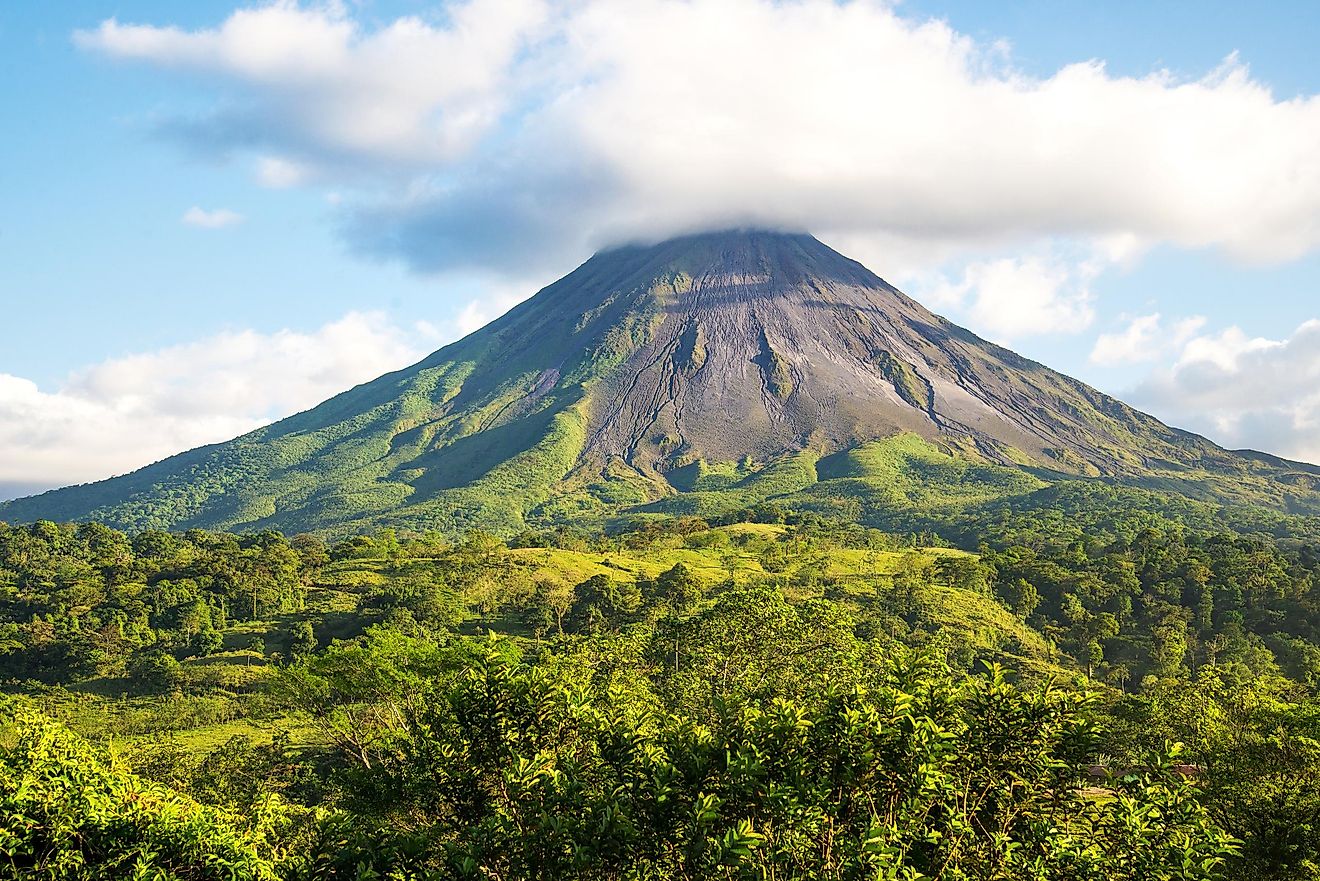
(280, 174)
(217, 219)
(1145, 339)
(494, 303)
(127, 412)
(1245, 391)
(320, 85)
(1012, 297)
(1139, 342)
(500, 133)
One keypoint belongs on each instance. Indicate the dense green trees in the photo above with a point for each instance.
(1164, 601)
(1256, 748)
(674, 700)
(1136, 595)
(84, 601)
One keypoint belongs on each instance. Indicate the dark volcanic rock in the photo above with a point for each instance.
(765, 343)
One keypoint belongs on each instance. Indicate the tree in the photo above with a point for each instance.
(963, 573)
(357, 693)
(914, 572)
(426, 595)
(301, 639)
(752, 642)
(1095, 656)
(1169, 648)
(552, 598)
(1257, 755)
(312, 553)
(154, 670)
(256, 645)
(1022, 597)
(600, 603)
(206, 641)
(679, 588)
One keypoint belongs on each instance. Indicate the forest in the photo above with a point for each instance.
(766, 694)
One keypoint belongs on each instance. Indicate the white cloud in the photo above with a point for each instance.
(518, 135)
(1012, 297)
(1145, 339)
(217, 219)
(1244, 391)
(507, 132)
(1223, 351)
(406, 92)
(495, 301)
(129, 411)
(1139, 342)
(280, 174)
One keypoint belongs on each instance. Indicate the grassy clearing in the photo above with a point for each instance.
(222, 695)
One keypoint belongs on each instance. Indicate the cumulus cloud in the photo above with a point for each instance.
(127, 412)
(1011, 297)
(1146, 338)
(1137, 343)
(502, 132)
(217, 219)
(478, 313)
(322, 86)
(280, 174)
(1245, 391)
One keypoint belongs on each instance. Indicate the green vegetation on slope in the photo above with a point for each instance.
(647, 381)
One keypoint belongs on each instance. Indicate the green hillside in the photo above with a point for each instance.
(701, 375)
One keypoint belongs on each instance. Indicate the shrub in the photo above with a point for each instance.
(66, 814)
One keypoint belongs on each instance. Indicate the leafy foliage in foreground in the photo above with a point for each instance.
(66, 814)
(510, 771)
(921, 774)
(1257, 744)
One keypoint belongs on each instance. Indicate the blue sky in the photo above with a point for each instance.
(93, 257)
(131, 333)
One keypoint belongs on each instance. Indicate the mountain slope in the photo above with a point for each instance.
(696, 365)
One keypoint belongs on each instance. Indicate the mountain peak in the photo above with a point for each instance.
(755, 250)
(728, 240)
(723, 352)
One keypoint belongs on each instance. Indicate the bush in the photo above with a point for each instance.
(155, 671)
(921, 776)
(66, 814)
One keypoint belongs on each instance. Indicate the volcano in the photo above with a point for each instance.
(706, 366)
